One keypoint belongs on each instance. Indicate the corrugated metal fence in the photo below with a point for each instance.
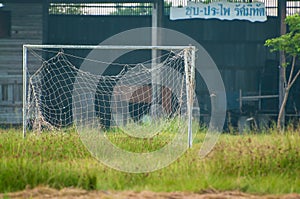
(11, 99)
(134, 9)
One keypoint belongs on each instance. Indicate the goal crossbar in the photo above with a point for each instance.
(109, 47)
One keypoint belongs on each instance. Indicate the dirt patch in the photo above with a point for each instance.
(68, 193)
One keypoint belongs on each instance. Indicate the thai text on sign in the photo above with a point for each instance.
(221, 10)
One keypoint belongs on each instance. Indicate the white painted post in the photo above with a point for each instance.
(24, 89)
(189, 64)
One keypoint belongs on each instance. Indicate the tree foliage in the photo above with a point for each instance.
(140, 9)
(289, 43)
(64, 8)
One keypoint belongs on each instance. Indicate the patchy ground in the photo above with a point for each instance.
(67, 193)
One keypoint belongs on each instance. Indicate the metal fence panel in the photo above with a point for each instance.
(145, 8)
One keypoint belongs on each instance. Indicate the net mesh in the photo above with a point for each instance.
(140, 100)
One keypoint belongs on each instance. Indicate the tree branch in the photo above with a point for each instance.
(292, 69)
(295, 78)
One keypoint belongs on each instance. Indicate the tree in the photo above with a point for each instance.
(289, 44)
(64, 8)
(140, 9)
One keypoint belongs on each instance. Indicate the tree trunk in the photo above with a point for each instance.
(282, 108)
(286, 90)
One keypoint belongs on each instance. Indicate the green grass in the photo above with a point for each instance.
(255, 163)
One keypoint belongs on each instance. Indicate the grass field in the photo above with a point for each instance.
(255, 163)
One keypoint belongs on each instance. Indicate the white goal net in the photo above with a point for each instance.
(137, 94)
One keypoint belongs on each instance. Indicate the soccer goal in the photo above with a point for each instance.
(109, 87)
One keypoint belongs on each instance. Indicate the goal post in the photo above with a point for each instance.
(40, 79)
